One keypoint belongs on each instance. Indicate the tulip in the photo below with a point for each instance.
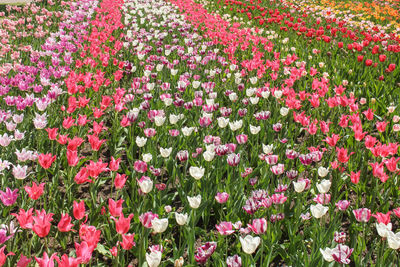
(9, 197)
(120, 180)
(159, 225)
(83, 252)
(122, 225)
(42, 224)
(181, 218)
(115, 207)
(204, 252)
(147, 218)
(46, 261)
(249, 243)
(225, 228)
(318, 210)
(79, 210)
(45, 160)
(258, 226)
(222, 197)
(145, 184)
(35, 191)
(324, 186)
(362, 215)
(65, 224)
(234, 261)
(165, 152)
(196, 172)
(393, 240)
(154, 258)
(194, 202)
(127, 241)
(322, 171)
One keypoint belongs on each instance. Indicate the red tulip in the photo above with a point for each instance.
(42, 224)
(391, 67)
(368, 62)
(45, 160)
(127, 241)
(115, 207)
(24, 218)
(382, 217)
(46, 261)
(83, 252)
(3, 256)
(65, 224)
(35, 191)
(67, 261)
(122, 225)
(120, 180)
(79, 210)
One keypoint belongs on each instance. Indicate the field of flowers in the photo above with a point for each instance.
(199, 132)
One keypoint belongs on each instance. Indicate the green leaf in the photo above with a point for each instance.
(102, 250)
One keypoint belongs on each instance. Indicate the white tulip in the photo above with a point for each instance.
(393, 240)
(254, 100)
(181, 218)
(250, 92)
(196, 84)
(324, 186)
(208, 155)
(383, 229)
(150, 86)
(249, 243)
(255, 129)
(146, 185)
(159, 225)
(327, 254)
(196, 172)
(147, 157)
(267, 149)
(233, 97)
(322, 171)
(210, 101)
(318, 210)
(154, 258)
(265, 94)
(278, 94)
(159, 67)
(140, 141)
(236, 125)
(173, 119)
(284, 111)
(187, 131)
(194, 202)
(174, 72)
(299, 186)
(159, 120)
(253, 80)
(168, 101)
(165, 152)
(222, 122)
